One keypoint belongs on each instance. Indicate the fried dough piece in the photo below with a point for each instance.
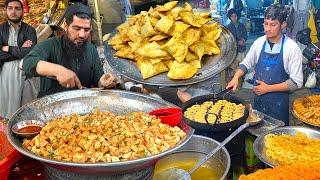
(191, 57)
(115, 40)
(152, 50)
(175, 12)
(125, 52)
(134, 34)
(118, 46)
(147, 29)
(165, 24)
(181, 70)
(191, 35)
(167, 7)
(168, 63)
(196, 63)
(211, 31)
(199, 48)
(159, 37)
(177, 47)
(154, 21)
(192, 19)
(134, 45)
(187, 7)
(148, 69)
(178, 28)
(203, 14)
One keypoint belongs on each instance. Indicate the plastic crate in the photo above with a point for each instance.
(8, 155)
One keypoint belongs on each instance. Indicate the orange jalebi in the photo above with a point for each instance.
(301, 171)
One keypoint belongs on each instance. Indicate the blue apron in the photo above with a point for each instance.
(270, 69)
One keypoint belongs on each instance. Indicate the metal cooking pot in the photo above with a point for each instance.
(220, 162)
(83, 102)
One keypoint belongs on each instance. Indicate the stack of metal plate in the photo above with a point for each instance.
(259, 143)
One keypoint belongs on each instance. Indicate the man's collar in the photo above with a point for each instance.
(10, 23)
(278, 42)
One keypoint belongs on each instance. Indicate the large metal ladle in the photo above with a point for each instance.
(180, 174)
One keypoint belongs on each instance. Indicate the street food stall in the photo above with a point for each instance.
(111, 134)
(127, 61)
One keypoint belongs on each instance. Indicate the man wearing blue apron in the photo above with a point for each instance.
(277, 63)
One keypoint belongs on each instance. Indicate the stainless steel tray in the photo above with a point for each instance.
(259, 145)
(268, 123)
(211, 65)
(82, 102)
(307, 123)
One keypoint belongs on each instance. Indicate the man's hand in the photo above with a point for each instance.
(261, 89)
(5, 48)
(183, 96)
(68, 78)
(107, 80)
(27, 43)
(233, 84)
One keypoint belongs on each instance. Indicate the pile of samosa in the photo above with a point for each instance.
(167, 38)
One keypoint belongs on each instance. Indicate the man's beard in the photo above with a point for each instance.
(15, 20)
(74, 50)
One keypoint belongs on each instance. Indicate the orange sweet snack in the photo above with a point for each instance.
(301, 171)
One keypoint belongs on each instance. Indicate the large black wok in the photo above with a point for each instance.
(217, 126)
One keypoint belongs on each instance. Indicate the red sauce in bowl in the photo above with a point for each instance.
(30, 129)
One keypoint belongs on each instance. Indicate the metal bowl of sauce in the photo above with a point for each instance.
(216, 168)
(28, 128)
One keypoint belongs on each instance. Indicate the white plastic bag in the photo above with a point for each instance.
(311, 81)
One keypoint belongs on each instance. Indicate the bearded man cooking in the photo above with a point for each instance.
(70, 61)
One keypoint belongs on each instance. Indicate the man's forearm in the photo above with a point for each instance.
(278, 87)
(45, 68)
(239, 73)
(5, 56)
(19, 52)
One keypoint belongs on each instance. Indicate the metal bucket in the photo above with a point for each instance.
(196, 148)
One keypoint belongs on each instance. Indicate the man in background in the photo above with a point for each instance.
(239, 32)
(16, 40)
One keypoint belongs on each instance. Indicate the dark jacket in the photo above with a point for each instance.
(238, 33)
(26, 32)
